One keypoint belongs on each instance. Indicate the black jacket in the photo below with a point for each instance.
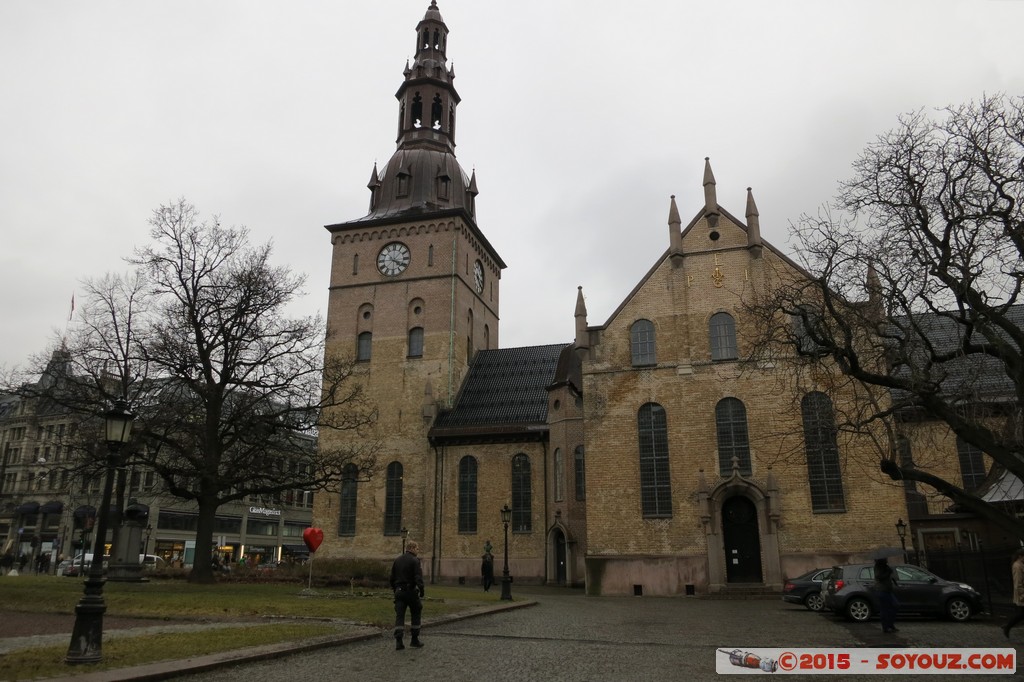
(406, 572)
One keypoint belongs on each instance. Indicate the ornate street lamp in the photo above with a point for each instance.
(87, 637)
(901, 530)
(405, 535)
(506, 579)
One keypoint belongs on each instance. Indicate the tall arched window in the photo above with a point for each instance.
(581, 473)
(972, 464)
(522, 494)
(655, 485)
(393, 500)
(364, 347)
(723, 337)
(416, 342)
(559, 475)
(733, 440)
(641, 343)
(467, 494)
(347, 502)
(823, 471)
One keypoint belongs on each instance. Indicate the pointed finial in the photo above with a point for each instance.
(753, 224)
(582, 337)
(675, 240)
(710, 196)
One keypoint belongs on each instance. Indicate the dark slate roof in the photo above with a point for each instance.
(967, 377)
(503, 395)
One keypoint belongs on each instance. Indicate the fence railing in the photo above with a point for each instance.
(986, 570)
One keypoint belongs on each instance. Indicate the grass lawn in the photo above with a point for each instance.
(170, 601)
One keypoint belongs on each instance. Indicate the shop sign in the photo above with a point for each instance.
(264, 511)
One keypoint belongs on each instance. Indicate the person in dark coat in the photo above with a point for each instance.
(487, 571)
(407, 584)
(885, 586)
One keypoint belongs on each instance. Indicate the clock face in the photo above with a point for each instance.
(393, 259)
(478, 275)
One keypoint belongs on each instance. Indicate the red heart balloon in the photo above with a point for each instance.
(312, 537)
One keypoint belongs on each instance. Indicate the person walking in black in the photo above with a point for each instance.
(885, 586)
(407, 584)
(1018, 591)
(487, 571)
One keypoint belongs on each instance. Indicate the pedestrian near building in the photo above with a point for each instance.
(487, 571)
(885, 586)
(407, 584)
(1017, 569)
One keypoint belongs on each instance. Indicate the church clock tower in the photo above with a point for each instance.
(413, 295)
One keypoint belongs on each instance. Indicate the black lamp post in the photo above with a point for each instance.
(901, 530)
(149, 531)
(405, 534)
(506, 579)
(87, 637)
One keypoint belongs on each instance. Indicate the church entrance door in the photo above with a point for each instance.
(742, 541)
(559, 540)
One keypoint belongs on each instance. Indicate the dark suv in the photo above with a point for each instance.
(849, 592)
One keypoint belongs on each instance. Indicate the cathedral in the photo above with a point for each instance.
(647, 456)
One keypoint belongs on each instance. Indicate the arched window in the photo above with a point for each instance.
(347, 502)
(522, 494)
(467, 495)
(559, 475)
(393, 500)
(823, 471)
(655, 486)
(723, 337)
(581, 473)
(364, 346)
(641, 338)
(972, 464)
(733, 440)
(416, 342)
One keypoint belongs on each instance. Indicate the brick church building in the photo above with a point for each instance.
(646, 456)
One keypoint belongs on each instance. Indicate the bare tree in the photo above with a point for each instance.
(229, 393)
(912, 287)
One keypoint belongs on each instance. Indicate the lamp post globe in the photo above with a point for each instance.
(87, 636)
(506, 579)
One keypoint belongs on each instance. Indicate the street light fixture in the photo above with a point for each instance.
(405, 535)
(901, 530)
(87, 636)
(506, 579)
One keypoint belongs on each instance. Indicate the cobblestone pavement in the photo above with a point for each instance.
(572, 638)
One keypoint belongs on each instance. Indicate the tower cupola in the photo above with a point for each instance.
(427, 99)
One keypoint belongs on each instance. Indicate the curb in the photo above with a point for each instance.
(165, 670)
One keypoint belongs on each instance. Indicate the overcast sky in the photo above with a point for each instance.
(581, 118)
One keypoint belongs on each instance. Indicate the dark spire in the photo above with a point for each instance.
(423, 176)
(427, 99)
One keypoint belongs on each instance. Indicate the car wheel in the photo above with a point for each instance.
(958, 609)
(814, 602)
(858, 609)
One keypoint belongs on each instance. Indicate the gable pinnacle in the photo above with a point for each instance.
(753, 225)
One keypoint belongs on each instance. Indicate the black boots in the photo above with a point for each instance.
(416, 639)
(398, 641)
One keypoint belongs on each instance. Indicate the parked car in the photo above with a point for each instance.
(72, 567)
(849, 593)
(806, 589)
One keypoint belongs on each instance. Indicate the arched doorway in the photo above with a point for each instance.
(742, 540)
(558, 541)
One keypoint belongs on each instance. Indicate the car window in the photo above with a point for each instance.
(912, 573)
(867, 573)
(821, 575)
